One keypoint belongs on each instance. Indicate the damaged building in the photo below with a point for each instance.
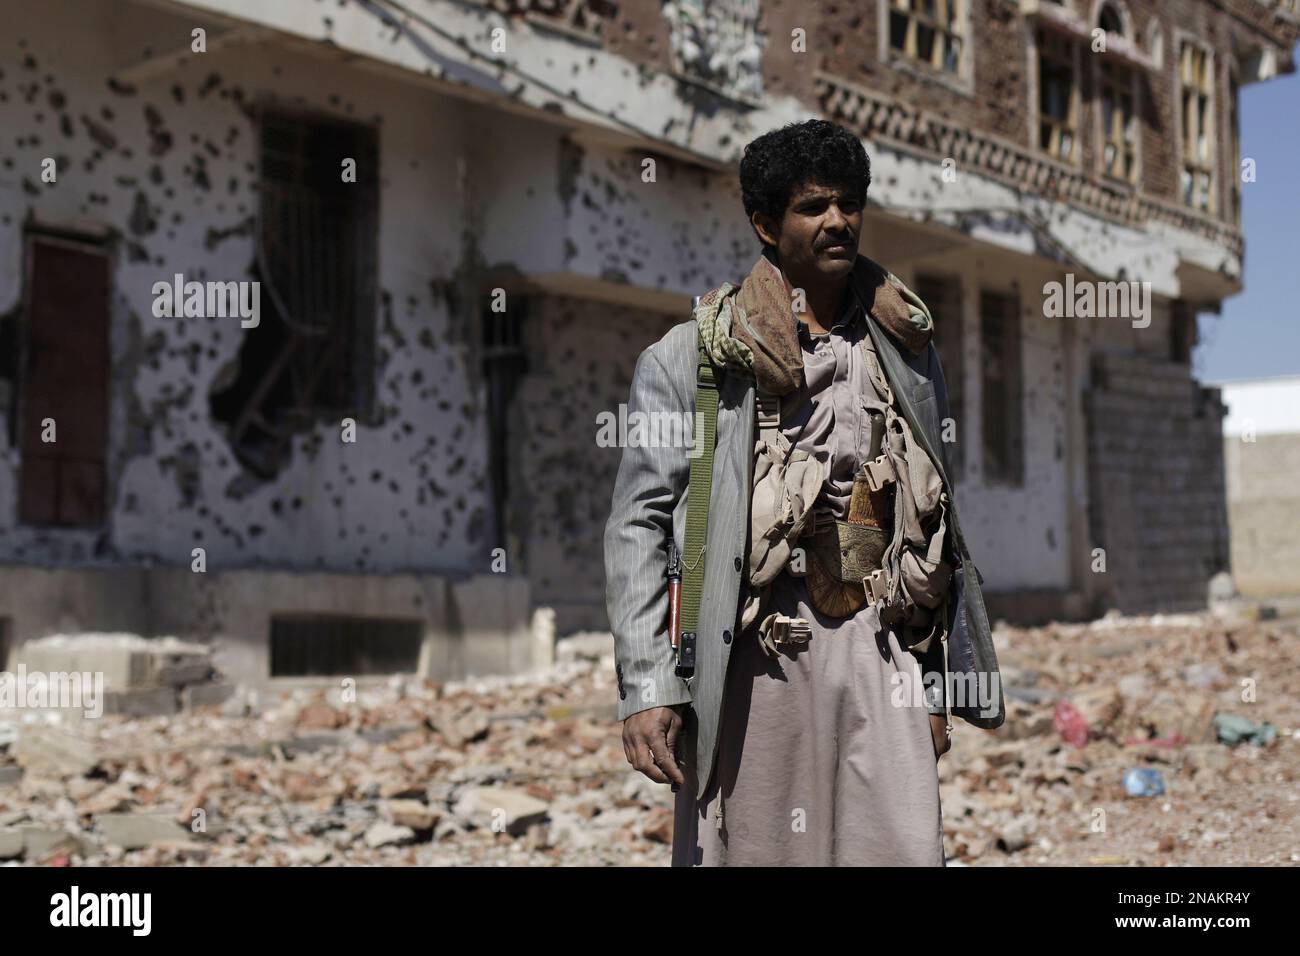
(308, 309)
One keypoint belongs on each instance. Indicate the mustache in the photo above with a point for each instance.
(842, 241)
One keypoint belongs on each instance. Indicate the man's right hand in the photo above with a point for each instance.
(650, 741)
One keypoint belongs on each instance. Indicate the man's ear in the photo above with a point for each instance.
(765, 227)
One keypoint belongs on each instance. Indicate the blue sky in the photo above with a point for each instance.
(1258, 333)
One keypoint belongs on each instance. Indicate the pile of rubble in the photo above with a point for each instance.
(502, 771)
(531, 770)
(1094, 710)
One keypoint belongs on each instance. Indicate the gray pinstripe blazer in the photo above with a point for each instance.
(650, 494)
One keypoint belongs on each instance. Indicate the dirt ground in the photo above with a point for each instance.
(530, 771)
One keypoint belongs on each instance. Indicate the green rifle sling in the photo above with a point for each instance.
(700, 492)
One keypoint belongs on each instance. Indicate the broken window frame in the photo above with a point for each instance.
(941, 20)
(1057, 58)
(1234, 136)
(1117, 89)
(1196, 186)
(338, 353)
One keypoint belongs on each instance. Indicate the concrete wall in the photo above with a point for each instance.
(1261, 453)
(472, 626)
(1264, 513)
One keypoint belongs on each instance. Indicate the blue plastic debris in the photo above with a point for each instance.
(1143, 782)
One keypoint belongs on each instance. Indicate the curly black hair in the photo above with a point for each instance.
(816, 151)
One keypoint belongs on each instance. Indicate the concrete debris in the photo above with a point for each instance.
(530, 770)
(500, 809)
(388, 834)
(590, 646)
(136, 676)
(127, 661)
(132, 831)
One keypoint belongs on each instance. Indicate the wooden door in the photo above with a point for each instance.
(65, 378)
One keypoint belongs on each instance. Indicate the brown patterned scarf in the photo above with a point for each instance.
(766, 323)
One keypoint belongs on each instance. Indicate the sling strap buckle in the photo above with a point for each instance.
(880, 472)
(875, 585)
(790, 630)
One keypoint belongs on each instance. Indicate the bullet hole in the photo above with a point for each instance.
(211, 83)
(178, 93)
(141, 221)
(160, 140)
(119, 88)
(197, 171)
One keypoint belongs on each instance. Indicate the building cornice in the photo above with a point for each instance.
(878, 117)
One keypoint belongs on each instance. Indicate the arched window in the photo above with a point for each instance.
(1110, 20)
(1119, 134)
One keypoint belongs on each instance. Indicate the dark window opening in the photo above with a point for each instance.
(335, 645)
(1182, 332)
(1003, 416)
(1110, 20)
(311, 357)
(942, 295)
(504, 364)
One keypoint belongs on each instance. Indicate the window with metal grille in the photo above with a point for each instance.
(942, 296)
(311, 357)
(1003, 432)
(334, 645)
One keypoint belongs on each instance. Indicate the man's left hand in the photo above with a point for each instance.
(939, 735)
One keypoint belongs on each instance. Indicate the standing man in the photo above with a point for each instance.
(828, 588)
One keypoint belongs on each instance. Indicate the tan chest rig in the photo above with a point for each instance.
(887, 549)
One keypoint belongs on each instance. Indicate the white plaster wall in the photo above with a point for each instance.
(1019, 535)
(408, 494)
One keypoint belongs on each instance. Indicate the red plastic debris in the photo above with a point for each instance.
(1069, 723)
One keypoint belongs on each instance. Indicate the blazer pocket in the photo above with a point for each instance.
(922, 393)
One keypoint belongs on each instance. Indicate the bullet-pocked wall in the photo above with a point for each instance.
(164, 168)
(582, 355)
(998, 510)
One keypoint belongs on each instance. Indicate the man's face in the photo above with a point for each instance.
(817, 238)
